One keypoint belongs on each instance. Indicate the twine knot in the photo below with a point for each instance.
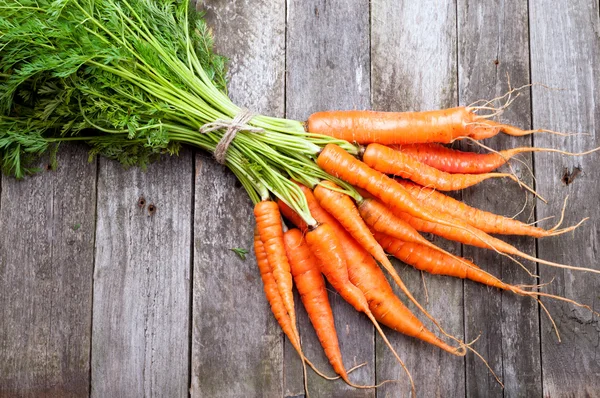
(234, 126)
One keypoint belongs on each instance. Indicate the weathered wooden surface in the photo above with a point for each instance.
(140, 327)
(228, 300)
(493, 46)
(415, 69)
(46, 265)
(99, 297)
(565, 51)
(330, 69)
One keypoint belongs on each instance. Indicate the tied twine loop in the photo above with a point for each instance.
(234, 126)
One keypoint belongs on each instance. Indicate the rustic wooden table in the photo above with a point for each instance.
(120, 282)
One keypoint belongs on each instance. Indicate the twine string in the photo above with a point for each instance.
(233, 126)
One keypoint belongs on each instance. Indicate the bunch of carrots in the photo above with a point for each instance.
(135, 79)
(355, 228)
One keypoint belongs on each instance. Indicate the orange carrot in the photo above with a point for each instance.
(341, 207)
(268, 224)
(272, 292)
(326, 247)
(435, 262)
(483, 220)
(443, 126)
(341, 164)
(311, 286)
(390, 161)
(387, 308)
(276, 303)
(455, 161)
(368, 277)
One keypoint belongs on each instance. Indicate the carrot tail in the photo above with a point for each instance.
(387, 342)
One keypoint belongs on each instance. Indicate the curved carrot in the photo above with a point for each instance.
(268, 224)
(365, 274)
(443, 126)
(390, 161)
(487, 222)
(326, 247)
(337, 162)
(311, 287)
(342, 208)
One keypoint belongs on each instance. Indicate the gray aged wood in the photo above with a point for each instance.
(328, 68)
(493, 46)
(565, 52)
(237, 345)
(141, 310)
(414, 68)
(46, 265)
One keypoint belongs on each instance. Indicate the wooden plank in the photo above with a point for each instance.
(141, 280)
(565, 52)
(237, 345)
(328, 68)
(414, 68)
(493, 44)
(46, 265)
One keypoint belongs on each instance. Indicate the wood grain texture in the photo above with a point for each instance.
(493, 45)
(46, 265)
(237, 345)
(328, 68)
(414, 68)
(142, 280)
(565, 53)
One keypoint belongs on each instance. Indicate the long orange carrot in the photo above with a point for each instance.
(483, 220)
(276, 303)
(342, 208)
(326, 247)
(390, 161)
(455, 161)
(311, 286)
(443, 126)
(368, 277)
(268, 224)
(435, 262)
(337, 162)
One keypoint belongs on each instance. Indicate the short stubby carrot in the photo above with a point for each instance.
(268, 224)
(443, 126)
(311, 287)
(390, 161)
(485, 221)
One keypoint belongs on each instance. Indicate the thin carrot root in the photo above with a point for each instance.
(522, 185)
(486, 128)
(567, 229)
(487, 365)
(387, 342)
